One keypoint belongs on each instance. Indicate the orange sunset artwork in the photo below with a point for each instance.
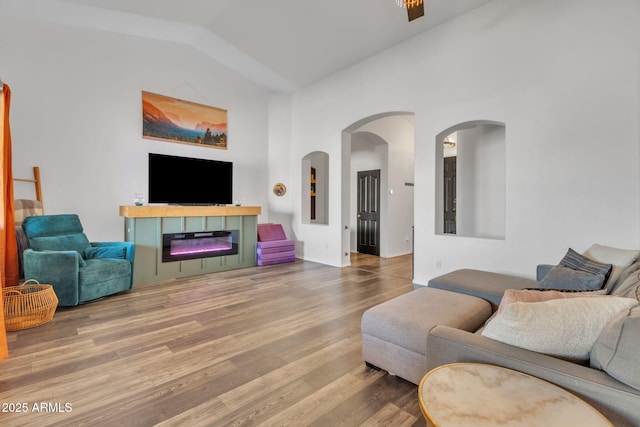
(170, 119)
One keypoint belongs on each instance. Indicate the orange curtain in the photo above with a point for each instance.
(8, 245)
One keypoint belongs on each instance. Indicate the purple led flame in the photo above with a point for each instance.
(216, 244)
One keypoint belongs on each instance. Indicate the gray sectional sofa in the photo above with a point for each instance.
(446, 329)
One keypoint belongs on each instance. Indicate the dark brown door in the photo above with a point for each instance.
(450, 195)
(369, 212)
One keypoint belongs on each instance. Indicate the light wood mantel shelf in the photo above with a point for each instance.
(183, 211)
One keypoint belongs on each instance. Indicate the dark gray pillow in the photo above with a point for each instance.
(576, 261)
(616, 349)
(576, 272)
(565, 278)
(586, 293)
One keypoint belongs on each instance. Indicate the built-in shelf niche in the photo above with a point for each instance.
(315, 188)
(313, 193)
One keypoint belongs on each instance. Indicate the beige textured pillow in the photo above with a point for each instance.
(561, 327)
(619, 258)
(629, 288)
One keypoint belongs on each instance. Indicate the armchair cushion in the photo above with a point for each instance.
(56, 233)
(103, 277)
(99, 270)
(52, 225)
(71, 242)
(105, 252)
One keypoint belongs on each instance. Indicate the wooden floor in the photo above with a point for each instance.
(277, 345)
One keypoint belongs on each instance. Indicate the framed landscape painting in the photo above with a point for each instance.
(175, 120)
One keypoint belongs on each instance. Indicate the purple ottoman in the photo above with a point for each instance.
(273, 245)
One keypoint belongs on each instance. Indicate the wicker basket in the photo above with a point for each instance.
(28, 305)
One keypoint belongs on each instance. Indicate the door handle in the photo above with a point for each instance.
(359, 216)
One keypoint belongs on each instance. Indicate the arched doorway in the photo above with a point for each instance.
(385, 142)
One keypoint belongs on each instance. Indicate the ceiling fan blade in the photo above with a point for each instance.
(415, 12)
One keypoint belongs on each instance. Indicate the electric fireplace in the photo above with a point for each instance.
(202, 244)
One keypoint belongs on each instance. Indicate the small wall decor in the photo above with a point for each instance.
(184, 122)
(279, 189)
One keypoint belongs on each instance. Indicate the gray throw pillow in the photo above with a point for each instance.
(576, 272)
(565, 278)
(616, 349)
(576, 261)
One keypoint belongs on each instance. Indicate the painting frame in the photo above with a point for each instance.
(184, 122)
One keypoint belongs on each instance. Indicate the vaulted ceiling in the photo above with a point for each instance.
(280, 44)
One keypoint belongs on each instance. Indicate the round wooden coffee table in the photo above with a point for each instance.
(474, 394)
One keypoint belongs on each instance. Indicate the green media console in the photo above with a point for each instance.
(182, 241)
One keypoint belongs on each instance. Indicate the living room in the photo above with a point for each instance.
(563, 76)
(568, 99)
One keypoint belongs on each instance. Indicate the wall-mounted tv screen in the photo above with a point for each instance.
(189, 181)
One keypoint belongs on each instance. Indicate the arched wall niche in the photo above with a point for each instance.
(470, 177)
(315, 188)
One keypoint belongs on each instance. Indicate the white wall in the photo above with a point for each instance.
(562, 76)
(280, 208)
(76, 113)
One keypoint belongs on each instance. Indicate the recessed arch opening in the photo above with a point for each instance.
(470, 179)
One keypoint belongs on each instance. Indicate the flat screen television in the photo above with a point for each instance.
(189, 181)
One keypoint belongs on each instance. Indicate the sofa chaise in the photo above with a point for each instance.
(452, 320)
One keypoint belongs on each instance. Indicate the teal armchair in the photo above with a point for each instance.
(60, 254)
